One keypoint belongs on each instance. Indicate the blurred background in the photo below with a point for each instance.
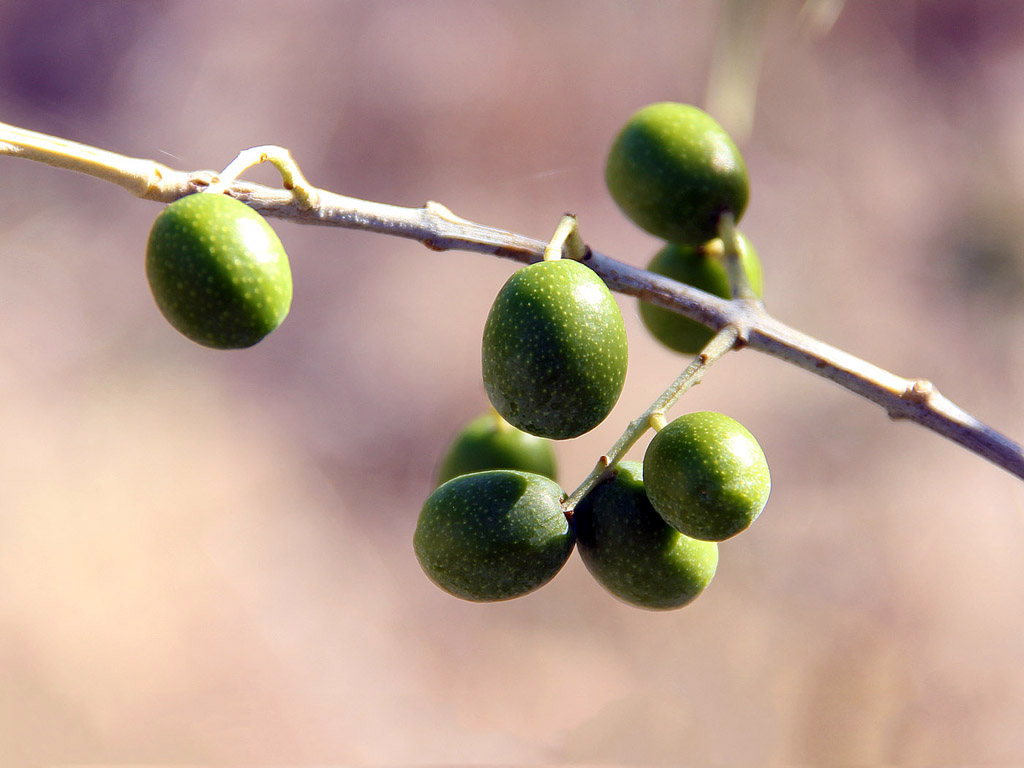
(206, 557)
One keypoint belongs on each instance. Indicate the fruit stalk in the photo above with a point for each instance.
(654, 416)
(439, 229)
(739, 281)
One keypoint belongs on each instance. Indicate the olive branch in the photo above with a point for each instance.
(434, 225)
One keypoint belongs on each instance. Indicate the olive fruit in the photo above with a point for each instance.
(701, 267)
(554, 350)
(673, 170)
(493, 535)
(706, 475)
(633, 552)
(217, 271)
(490, 442)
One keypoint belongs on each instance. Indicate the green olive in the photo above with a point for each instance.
(707, 476)
(630, 549)
(674, 171)
(217, 271)
(554, 350)
(703, 268)
(493, 535)
(490, 442)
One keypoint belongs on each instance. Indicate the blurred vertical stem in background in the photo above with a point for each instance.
(736, 64)
(819, 16)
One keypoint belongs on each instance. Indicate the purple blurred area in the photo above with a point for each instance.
(206, 558)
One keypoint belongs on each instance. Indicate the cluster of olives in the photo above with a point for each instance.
(554, 362)
(496, 526)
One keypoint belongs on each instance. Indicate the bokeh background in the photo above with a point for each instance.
(206, 557)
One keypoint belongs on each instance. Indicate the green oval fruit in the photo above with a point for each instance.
(632, 552)
(490, 442)
(673, 170)
(217, 271)
(706, 475)
(493, 535)
(554, 350)
(700, 267)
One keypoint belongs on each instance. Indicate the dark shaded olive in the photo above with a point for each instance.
(490, 442)
(493, 535)
(701, 268)
(632, 552)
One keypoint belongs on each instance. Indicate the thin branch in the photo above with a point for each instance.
(435, 226)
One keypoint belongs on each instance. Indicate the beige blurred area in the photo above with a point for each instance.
(206, 558)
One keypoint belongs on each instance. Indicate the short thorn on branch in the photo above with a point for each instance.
(920, 392)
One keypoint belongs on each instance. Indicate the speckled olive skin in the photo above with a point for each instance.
(633, 552)
(695, 266)
(493, 535)
(490, 442)
(554, 350)
(217, 271)
(673, 170)
(706, 476)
